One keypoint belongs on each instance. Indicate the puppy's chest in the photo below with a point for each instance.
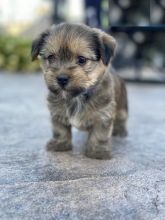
(79, 115)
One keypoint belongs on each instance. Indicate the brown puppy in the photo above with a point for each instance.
(82, 92)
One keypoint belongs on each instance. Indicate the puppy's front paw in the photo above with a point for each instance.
(101, 154)
(53, 145)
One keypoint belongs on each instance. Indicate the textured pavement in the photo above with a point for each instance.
(35, 184)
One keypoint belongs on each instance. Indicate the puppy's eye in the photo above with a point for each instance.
(81, 60)
(51, 58)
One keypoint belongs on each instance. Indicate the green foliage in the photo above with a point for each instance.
(15, 54)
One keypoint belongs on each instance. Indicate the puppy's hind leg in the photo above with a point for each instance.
(120, 124)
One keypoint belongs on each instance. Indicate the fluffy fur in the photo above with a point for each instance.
(93, 99)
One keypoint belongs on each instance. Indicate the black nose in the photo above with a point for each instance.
(63, 80)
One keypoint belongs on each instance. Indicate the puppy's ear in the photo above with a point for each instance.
(108, 45)
(38, 44)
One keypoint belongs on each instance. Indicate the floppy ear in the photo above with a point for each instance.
(38, 44)
(108, 45)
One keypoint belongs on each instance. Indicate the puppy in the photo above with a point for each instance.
(82, 92)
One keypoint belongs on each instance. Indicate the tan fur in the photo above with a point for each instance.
(94, 99)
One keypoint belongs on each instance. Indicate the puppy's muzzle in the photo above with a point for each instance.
(63, 80)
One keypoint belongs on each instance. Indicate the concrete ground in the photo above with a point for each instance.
(35, 184)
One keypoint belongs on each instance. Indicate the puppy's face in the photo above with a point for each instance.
(73, 57)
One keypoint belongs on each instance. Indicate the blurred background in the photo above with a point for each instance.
(138, 26)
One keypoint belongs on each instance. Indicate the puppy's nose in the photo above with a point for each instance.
(63, 80)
